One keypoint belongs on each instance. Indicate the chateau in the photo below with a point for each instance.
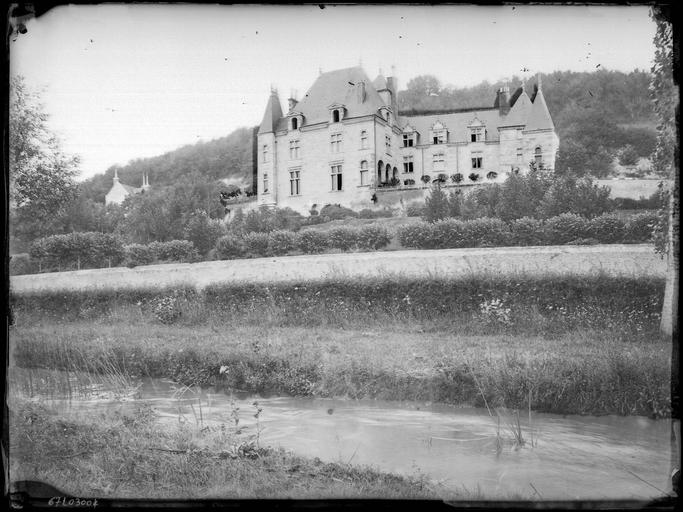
(347, 143)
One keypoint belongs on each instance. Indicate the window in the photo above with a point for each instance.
(364, 172)
(439, 137)
(408, 140)
(363, 139)
(335, 116)
(538, 157)
(477, 162)
(408, 163)
(336, 142)
(438, 161)
(294, 181)
(477, 135)
(387, 142)
(294, 149)
(519, 154)
(336, 177)
(265, 153)
(295, 123)
(265, 182)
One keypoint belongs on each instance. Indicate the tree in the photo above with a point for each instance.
(436, 205)
(628, 156)
(665, 99)
(41, 174)
(424, 85)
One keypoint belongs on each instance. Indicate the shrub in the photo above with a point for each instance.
(22, 264)
(174, 250)
(138, 254)
(527, 231)
(418, 235)
(607, 228)
(312, 241)
(425, 178)
(473, 176)
(567, 194)
(166, 309)
(373, 236)
(202, 231)
(229, 247)
(640, 227)
(564, 228)
(77, 250)
(414, 210)
(256, 244)
(337, 212)
(283, 242)
(342, 238)
(486, 232)
(366, 213)
(456, 178)
(447, 234)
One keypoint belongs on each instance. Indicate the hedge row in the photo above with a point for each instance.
(279, 243)
(563, 229)
(75, 251)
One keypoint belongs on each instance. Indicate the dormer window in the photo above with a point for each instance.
(408, 140)
(439, 133)
(477, 134)
(477, 131)
(337, 112)
(296, 120)
(385, 113)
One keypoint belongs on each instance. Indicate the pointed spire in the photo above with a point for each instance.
(273, 113)
(539, 117)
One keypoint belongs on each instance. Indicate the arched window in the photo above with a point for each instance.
(538, 156)
(387, 173)
(295, 123)
(335, 116)
(364, 172)
(380, 168)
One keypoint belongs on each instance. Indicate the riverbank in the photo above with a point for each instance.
(570, 345)
(130, 456)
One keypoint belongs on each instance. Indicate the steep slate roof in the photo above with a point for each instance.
(519, 113)
(457, 123)
(337, 87)
(273, 114)
(539, 118)
(380, 82)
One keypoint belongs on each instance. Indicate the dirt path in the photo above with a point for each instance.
(630, 260)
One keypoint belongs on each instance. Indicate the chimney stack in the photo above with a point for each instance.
(504, 99)
(360, 87)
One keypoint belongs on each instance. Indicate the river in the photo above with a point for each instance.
(556, 457)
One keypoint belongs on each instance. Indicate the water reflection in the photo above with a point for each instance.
(562, 457)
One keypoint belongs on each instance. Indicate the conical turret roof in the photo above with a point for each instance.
(273, 114)
(539, 118)
(519, 112)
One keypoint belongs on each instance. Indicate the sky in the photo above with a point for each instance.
(121, 82)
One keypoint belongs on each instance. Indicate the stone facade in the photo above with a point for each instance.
(346, 141)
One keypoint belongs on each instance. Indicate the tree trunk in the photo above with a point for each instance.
(669, 321)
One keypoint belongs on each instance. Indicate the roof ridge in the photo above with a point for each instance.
(428, 112)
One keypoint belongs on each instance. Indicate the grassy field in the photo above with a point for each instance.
(130, 456)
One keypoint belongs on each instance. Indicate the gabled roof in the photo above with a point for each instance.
(337, 87)
(273, 114)
(539, 118)
(519, 112)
